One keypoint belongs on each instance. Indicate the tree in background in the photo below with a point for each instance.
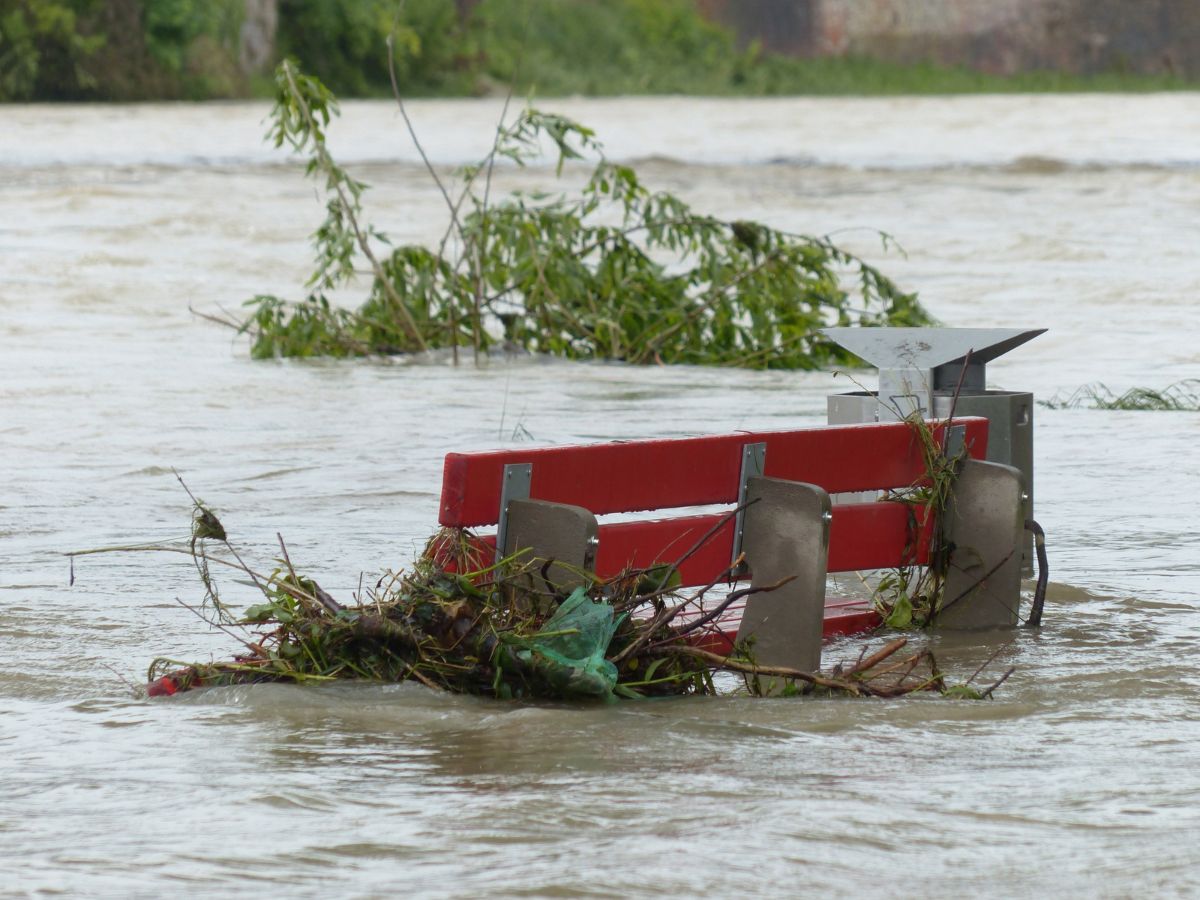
(345, 43)
(548, 46)
(119, 49)
(43, 52)
(171, 49)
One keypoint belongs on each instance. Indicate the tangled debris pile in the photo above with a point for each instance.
(461, 623)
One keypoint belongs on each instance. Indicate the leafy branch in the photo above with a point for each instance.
(614, 271)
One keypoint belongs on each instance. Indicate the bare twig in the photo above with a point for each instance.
(224, 540)
(348, 208)
(412, 132)
(724, 662)
(1003, 678)
(721, 607)
(249, 645)
(987, 662)
(876, 658)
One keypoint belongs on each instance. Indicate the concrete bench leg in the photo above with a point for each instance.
(985, 529)
(558, 531)
(786, 533)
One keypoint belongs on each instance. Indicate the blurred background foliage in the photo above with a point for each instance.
(120, 49)
(197, 49)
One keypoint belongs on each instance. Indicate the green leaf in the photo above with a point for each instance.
(962, 692)
(901, 614)
(259, 613)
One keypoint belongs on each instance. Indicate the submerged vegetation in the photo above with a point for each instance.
(911, 596)
(616, 272)
(1182, 396)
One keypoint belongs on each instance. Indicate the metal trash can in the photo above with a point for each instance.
(922, 368)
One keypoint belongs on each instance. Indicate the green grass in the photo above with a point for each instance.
(1182, 396)
(850, 76)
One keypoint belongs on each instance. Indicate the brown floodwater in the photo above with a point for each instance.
(1080, 214)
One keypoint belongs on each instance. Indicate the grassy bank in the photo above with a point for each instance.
(195, 49)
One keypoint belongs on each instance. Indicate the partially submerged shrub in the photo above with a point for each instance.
(616, 272)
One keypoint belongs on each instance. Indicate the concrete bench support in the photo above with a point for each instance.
(985, 528)
(786, 534)
(557, 531)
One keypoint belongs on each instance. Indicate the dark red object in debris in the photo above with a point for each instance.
(162, 687)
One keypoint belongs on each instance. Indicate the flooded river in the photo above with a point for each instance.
(1082, 777)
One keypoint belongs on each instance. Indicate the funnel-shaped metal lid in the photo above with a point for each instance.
(928, 348)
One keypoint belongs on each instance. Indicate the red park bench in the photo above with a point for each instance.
(547, 500)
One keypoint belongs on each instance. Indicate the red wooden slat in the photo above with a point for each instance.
(861, 536)
(640, 545)
(841, 619)
(878, 536)
(665, 474)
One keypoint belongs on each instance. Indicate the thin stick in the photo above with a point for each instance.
(137, 689)
(724, 662)
(156, 548)
(910, 661)
(347, 208)
(710, 534)
(722, 606)
(990, 572)
(412, 132)
(254, 648)
(224, 540)
(228, 323)
(665, 617)
(962, 376)
(1003, 678)
(876, 658)
(318, 595)
(987, 662)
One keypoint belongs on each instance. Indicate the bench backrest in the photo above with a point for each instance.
(637, 476)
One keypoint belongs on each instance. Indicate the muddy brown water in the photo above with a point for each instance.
(1080, 214)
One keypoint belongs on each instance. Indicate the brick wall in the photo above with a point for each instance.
(1002, 36)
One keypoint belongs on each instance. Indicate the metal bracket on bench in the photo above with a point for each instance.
(513, 486)
(955, 441)
(754, 462)
(557, 531)
(787, 536)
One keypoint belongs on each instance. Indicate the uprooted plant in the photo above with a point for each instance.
(617, 271)
(461, 622)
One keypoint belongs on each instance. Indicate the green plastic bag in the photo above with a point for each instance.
(569, 650)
